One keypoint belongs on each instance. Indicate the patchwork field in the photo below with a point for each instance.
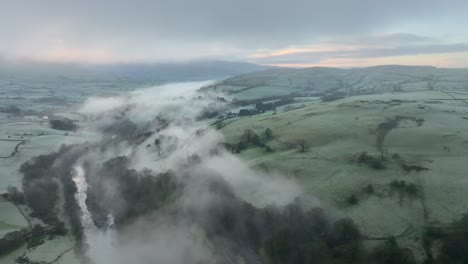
(26, 105)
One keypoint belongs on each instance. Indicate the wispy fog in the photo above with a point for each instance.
(175, 134)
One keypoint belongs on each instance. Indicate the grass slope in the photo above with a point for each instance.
(392, 78)
(336, 133)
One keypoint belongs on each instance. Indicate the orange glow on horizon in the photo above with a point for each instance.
(447, 60)
(67, 54)
(310, 49)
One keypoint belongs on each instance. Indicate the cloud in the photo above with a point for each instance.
(408, 50)
(370, 47)
(183, 137)
(100, 105)
(177, 232)
(147, 30)
(391, 39)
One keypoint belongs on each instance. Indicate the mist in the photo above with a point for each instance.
(172, 116)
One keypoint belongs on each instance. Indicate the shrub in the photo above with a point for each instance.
(352, 200)
(15, 196)
(268, 133)
(390, 253)
(63, 124)
(455, 243)
(366, 159)
(369, 189)
(404, 188)
(12, 241)
(333, 97)
(302, 145)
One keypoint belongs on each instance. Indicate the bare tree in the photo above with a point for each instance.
(302, 144)
(249, 136)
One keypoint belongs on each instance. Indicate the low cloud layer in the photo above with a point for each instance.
(162, 30)
(181, 105)
(370, 50)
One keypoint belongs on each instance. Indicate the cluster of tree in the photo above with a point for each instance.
(42, 176)
(139, 192)
(123, 129)
(71, 207)
(259, 100)
(170, 144)
(289, 234)
(63, 124)
(404, 188)
(40, 187)
(285, 235)
(371, 161)
(307, 94)
(33, 237)
(455, 243)
(250, 138)
(263, 107)
(452, 242)
(11, 109)
(354, 198)
(208, 114)
(12, 241)
(333, 96)
(14, 195)
(390, 253)
(248, 112)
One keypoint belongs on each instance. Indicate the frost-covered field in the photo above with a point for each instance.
(337, 132)
(10, 218)
(280, 82)
(334, 133)
(27, 123)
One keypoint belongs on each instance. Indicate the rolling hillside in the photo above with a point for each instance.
(388, 151)
(342, 82)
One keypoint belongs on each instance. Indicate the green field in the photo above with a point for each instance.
(335, 133)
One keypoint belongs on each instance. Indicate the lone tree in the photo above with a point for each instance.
(302, 144)
(248, 135)
(268, 133)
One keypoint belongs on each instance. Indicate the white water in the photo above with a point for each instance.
(80, 196)
(100, 243)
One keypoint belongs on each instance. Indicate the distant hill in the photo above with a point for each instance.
(131, 72)
(331, 82)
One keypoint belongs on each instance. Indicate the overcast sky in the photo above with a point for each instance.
(340, 33)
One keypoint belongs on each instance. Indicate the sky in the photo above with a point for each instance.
(293, 33)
